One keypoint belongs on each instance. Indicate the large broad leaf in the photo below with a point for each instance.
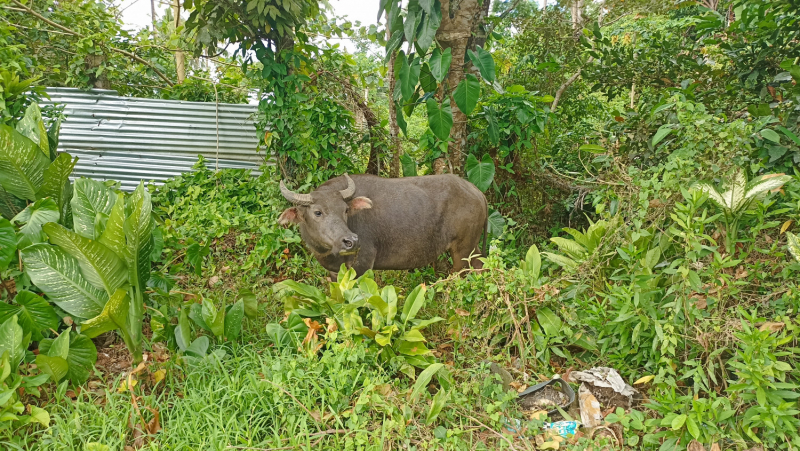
(427, 32)
(484, 62)
(79, 352)
(99, 264)
(199, 347)
(413, 18)
(250, 302)
(22, 164)
(533, 262)
(661, 133)
(183, 331)
(215, 319)
(414, 302)
(550, 322)
(32, 127)
(91, 203)
(424, 379)
(408, 76)
(467, 94)
(8, 243)
(233, 320)
(56, 184)
(57, 274)
(480, 173)
(56, 367)
(440, 63)
(492, 128)
(34, 314)
(496, 223)
(395, 20)
(560, 260)
(10, 205)
(401, 121)
(113, 237)
(794, 245)
(34, 217)
(52, 136)
(394, 43)
(139, 237)
(13, 340)
(426, 79)
(409, 165)
(440, 119)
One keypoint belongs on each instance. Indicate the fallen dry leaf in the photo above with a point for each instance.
(784, 227)
(462, 312)
(159, 375)
(772, 327)
(153, 426)
(644, 379)
(715, 447)
(213, 280)
(123, 386)
(694, 445)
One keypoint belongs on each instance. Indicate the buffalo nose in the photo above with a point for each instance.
(350, 242)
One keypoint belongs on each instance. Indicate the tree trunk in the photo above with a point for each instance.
(394, 129)
(577, 14)
(459, 19)
(153, 14)
(180, 58)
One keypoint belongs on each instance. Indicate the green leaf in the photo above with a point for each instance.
(408, 74)
(550, 322)
(467, 93)
(39, 415)
(395, 21)
(95, 446)
(379, 304)
(413, 335)
(492, 129)
(692, 427)
(91, 203)
(13, 341)
(496, 223)
(770, 135)
(789, 134)
(233, 320)
(408, 164)
(58, 275)
(440, 119)
(401, 121)
(32, 127)
(99, 264)
(22, 164)
(139, 237)
(113, 236)
(662, 133)
(678, 422)
(560, 260)
(199, 347)
(414, 301)
(428, 32)
(426, 79)
(34, 217)
(794, 245)
(484, 62)
(424, 379)
(437, 404)
(33, 313)
(593, 148)
(56, 184)
(58, 347)
(183, 331)
(427, 5)
(113, 316)
(215, 319)
(413, 18)
(10, 205)
(81, 359)
(440, 63)
(250, 302)
(56, 367)
(394, 43)
(480, 173)
(533, 262)
(8, 243)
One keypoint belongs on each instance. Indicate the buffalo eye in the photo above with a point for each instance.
(318, 213)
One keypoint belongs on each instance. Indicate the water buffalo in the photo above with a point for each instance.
(368, 222)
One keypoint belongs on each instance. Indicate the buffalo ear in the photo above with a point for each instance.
(290, 216)
(360, 203)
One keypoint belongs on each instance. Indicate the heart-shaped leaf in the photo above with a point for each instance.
(33, 218)
(550, 322)
(22, 164)
(440, 118)
(440, 63)
(233, 320)
(484, 62)
(13, 341)
(480, 173)
(467, 93)
(32, 127)
(91, 203)
(496, 223)
(56, 367)
(215, 319)
(409, 165)
(34, 314)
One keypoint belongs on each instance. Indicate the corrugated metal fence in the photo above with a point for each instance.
(131, 139)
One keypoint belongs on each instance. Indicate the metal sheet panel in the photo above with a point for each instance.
(131, 139)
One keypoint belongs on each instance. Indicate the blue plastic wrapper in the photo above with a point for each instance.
(564, 428)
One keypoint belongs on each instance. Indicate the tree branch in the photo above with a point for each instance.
(75, 33)
(566, 85)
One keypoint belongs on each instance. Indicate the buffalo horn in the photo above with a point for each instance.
(348, 192)
(295, 198)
